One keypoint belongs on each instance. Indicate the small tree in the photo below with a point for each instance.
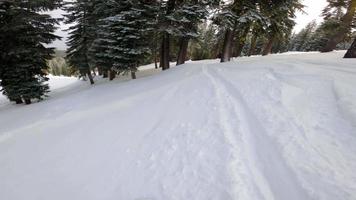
(24, 29)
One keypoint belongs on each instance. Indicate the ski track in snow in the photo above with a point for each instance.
(260, 128)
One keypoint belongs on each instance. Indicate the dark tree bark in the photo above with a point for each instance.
(226, 51)
(165, 46)
(112, 74)
(27, 101)
(18, 101)
(346, 22)
(133, 71)
(351, 53)
(268, 48)
(165, 49)
(133, 75)
(90, 76)
(252, 50)
(183, 51)
(100, 71)
(105, 74)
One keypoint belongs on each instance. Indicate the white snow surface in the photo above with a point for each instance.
(261, 128)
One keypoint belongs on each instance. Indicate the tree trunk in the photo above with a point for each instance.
(165, 49)
(18, 101)
(346, 22)
(133, 75)
(156, 59)
(27, 101)
(112, 74)
(226, 51)
(252, 50)
(183, 50)
(165, 46)
(156, 64)
(100, 71)
(90, 76)
(105, 73)
(351, 53)
(133, 71)
(268, 48)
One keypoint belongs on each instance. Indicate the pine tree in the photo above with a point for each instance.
(303, 39)
(186, 18)
(345, 22)
(24, 29)
(82, 35)
(166, 29)
(239, 15)
(99, 48)
(128, 34)
(281, 14)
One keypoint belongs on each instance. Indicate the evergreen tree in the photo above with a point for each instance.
(100, 46)
(82, 35)
(186, 19)
(344, 21)
(129, 32)
(281, 14)
(302, 40)
(166, 29)
(24, 29)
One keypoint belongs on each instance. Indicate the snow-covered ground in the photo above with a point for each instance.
(261, 128)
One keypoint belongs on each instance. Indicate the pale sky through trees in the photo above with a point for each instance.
(313, 12)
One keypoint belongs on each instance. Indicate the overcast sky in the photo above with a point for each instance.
(313, 11)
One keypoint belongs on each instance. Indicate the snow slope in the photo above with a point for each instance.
(261, 128)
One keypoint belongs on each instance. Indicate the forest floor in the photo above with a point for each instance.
(261, 128)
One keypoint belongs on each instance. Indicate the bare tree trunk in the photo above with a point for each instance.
(133, 71)
(133, 75)
(155, 57)
(226, 51)
(112, 74)
(100, 71)
(27, 101)
(346, 22)
(90, 76)
(252, 50)
(156, 62)
(18, 101)
(183, 50)
(268, 48)
(165, 47)
(351, 53)
(105, 73)
(154, 50)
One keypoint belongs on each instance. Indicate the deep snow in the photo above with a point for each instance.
(260, 128)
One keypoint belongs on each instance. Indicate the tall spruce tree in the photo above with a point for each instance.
(186, 18)
(345, 21)
(24, 31)
(281, 14)
(100, 46)
(127, 34)
(81, 35)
